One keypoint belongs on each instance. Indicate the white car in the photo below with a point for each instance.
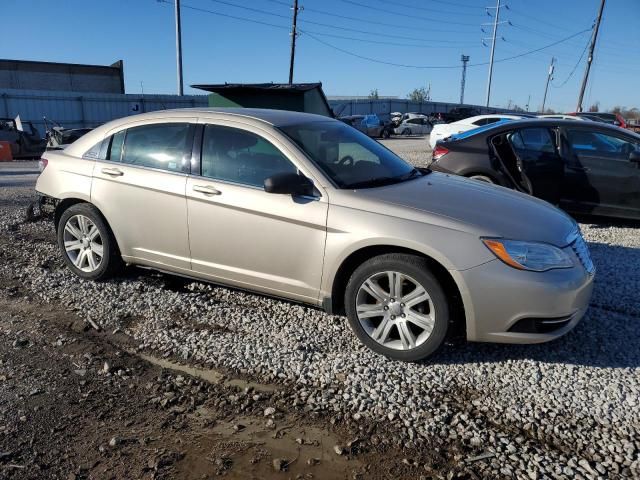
(443, 130)
(417, 125)
(560, 116)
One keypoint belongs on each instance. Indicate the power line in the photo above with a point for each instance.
(435, 67)
(311, 22)
(204, 10)
(323, 34)
(406, 15)
(573, 70)
(431, 10)
(371, 22)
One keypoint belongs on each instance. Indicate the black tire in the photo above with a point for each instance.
(111, 261)
(418, 269)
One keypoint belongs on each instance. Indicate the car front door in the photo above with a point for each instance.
(538, 161)
(240, 234)
(139, 186)
(601, 175)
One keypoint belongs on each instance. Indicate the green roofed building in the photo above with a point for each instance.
(298, 97)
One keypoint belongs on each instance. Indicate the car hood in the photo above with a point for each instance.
(473, 206)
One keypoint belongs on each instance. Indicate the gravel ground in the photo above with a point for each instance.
(567, 409)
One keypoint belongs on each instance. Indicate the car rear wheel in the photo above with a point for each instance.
(396, 307)
(482, 178)
(87, 244)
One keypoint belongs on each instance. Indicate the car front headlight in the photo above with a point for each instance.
(534, 256)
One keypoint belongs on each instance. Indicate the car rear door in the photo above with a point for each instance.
(600, 175)
(538, 161)
(240, 234)
(139, 186)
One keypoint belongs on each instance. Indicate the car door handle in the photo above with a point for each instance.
(112, 171)
(206, 189)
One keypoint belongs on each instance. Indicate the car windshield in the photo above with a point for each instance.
(347, 156)
(473, 131)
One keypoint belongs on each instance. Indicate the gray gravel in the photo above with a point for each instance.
(567, 409)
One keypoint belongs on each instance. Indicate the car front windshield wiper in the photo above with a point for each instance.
(382, 181)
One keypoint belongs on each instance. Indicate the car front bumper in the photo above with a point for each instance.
(505, 305)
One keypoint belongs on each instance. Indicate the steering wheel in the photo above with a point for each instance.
(346, 160)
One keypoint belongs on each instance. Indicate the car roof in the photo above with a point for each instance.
(276, 118)
(500, 127)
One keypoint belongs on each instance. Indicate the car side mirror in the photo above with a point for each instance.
(288, 184)
(634, 157)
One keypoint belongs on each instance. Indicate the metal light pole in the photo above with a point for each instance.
(549, 78)
(590, 57)
(493, 49)
(179, 48)
(294, 34)
(464, 59)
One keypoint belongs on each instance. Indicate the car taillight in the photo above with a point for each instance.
(43, 163)
(439, 152)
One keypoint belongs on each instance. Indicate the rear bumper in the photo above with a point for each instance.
(505, 305)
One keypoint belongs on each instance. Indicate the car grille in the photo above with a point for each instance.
(581, 250)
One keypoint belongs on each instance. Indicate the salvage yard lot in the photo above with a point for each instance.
(566, 409)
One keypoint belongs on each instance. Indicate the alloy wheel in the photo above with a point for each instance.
(83, 243)
(395, 310)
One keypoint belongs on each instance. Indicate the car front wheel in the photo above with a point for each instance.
(397, 307)
(86, 243)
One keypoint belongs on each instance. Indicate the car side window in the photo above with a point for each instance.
(239, 156)
(591, 143)
(160, 146)
(94, 153)
(532, 139)
(114, 152)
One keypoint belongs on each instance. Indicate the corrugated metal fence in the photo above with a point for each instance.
(386, 106)
(75, 110)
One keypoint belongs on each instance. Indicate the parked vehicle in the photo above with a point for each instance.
(23, 137)
(563, 116)
(610, 118)
(414, 126)
(370, 125)
(59, 137)
(306, 208)
(443, 130)
(585, 167)
(459, 113)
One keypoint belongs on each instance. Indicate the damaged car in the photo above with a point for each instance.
(308, 209)
(584, 167)
(23, 137)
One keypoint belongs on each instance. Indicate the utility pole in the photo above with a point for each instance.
(294, 34)
(428, 98)
(590, 57)
(464, 59)
(549, 78)
(493, 49)
(528, 102)
(179, 48)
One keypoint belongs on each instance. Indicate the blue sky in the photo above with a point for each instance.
(410, 32)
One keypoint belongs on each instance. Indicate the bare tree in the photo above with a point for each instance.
(373, 94)
(595, 107)
(418, 95)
